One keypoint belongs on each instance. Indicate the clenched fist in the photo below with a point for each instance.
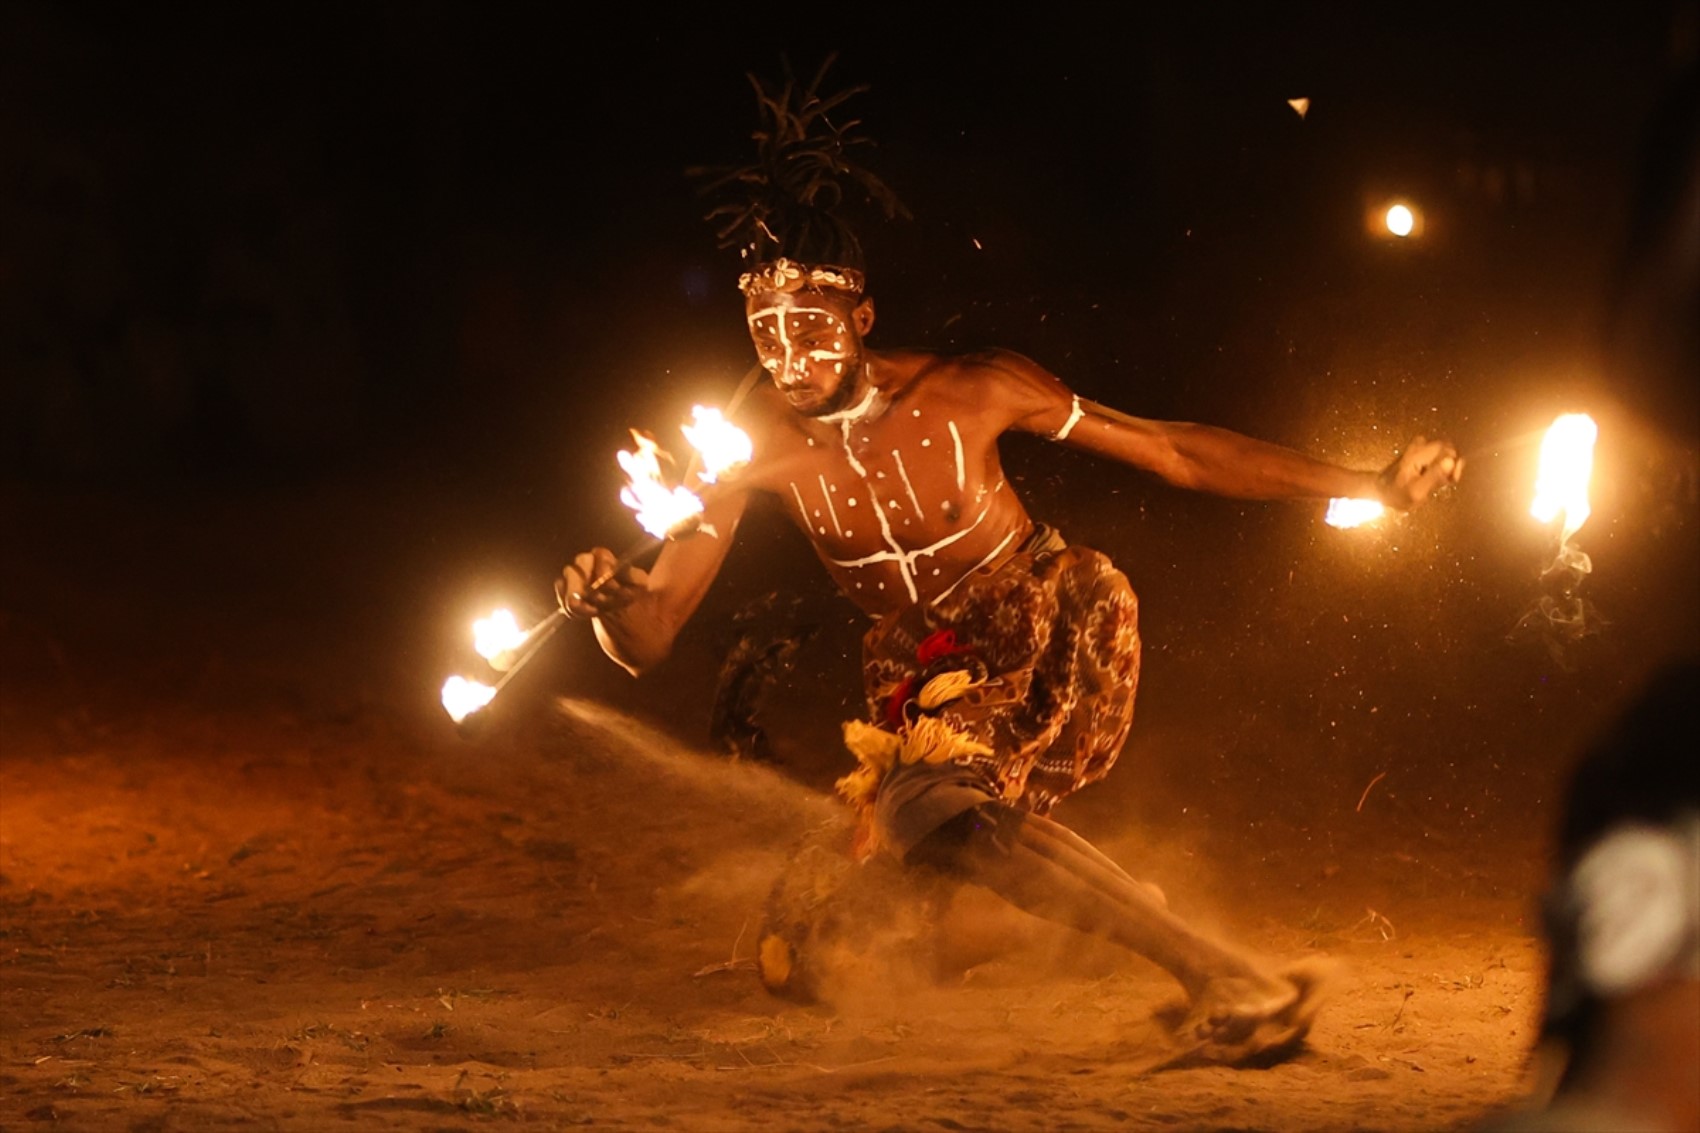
(590, 587)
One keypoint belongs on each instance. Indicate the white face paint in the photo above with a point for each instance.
(810, 351)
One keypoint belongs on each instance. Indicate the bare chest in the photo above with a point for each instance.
(898, 507)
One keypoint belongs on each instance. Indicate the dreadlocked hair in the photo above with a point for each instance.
(790, 202)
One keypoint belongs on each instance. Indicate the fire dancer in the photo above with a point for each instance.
(1001, 667)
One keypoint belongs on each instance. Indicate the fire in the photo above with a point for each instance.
(461, 697)
(1345, 512)
(659, 509)
(722, 446)
(1567, 464)
(497, 634)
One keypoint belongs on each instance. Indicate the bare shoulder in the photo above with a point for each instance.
(994, 375)
(998, 388)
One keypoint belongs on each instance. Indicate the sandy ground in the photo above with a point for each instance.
(249, 879)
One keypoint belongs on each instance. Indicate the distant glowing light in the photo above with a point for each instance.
(1344, 512)
(461, 697)
(1401, 221)
(1301, 106)
(1567, 464)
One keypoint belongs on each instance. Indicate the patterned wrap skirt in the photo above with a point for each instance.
(1051, 638)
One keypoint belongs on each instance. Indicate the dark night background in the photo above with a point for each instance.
(319, 326)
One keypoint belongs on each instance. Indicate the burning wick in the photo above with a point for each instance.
(1344, 512)
(462, 697)
(721, 445)
(497, 636)
(1562, 616)
(1567, 464)
(660, 510)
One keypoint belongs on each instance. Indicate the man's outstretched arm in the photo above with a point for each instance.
(638, 614)
(1226, 463)
(1209, 459)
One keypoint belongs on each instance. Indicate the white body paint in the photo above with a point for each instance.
(907, 486)
(956, 439)
(1075, 413)
(788, 367)
(905, 560)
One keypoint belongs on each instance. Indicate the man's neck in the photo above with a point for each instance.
(864, 400)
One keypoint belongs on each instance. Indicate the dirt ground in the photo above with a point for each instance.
(251, 877)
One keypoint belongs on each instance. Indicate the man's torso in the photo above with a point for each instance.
(902, 494)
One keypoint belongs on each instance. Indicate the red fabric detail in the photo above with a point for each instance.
(939, 643)
(894, 704)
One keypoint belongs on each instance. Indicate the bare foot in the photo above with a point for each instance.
(1239, 1021)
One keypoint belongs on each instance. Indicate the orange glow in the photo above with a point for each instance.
(1401, 221)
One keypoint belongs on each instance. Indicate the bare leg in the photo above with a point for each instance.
(1046, 869)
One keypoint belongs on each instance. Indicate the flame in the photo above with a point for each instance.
(461, 697)
(722, 446)
(1567, 463)
(497, 634)
(659, 509)
(1346, 512)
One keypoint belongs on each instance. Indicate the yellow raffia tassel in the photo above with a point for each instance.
(946, 687)
(876, 751)
(860, 786)
(931, 740)
(872, 745)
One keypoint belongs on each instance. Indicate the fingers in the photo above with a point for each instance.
(1423, 467)
(1427, 465)
(590, 586)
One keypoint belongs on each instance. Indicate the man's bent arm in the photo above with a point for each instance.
(639, 634)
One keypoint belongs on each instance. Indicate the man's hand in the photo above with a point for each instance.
(1417, 472)
(619, 590)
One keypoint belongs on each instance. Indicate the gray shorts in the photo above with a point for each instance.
(916, 799)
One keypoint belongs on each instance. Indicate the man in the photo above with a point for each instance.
(1002, 664)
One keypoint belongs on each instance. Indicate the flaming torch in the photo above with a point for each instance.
(463, 697)
(1561, 489)
(660, 510)
(720, 449)
(1567, 464)
(721, 446)
(1346, 512)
